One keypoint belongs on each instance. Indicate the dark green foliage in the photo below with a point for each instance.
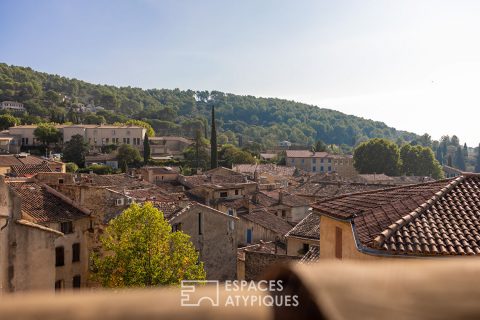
(130, 155)
(213, 143)
(419, 161)
(75, 150)
(7, 121)
(265, 121)
(477, 163)
(146, 149)
(459, 159)
(377, 156)
(98, 169)
(320, 146)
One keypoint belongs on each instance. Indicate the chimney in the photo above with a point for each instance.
(255, 176)
(280, 197)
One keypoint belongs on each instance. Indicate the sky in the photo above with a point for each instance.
(414, 65)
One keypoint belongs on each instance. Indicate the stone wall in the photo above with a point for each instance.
(257, 263)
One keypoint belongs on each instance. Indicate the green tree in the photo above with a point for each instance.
(146, 149)
(459, 159)
(141, 250)
(230, 155)
(477, 163)
(213, 143)
(377, 156)
(71, 167)
(140, 123)
(7, 121)
(75, 150)
(47, 133)
(419, 161)
(197, 155)
(320, 146)
(128, 154)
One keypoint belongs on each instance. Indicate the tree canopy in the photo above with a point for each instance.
(7, 121)
(47, 133)
(128, 154)
(265, 121)
(141, 250)
(377, 156)
(75, 150)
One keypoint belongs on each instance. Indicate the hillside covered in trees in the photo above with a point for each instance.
(240, 119)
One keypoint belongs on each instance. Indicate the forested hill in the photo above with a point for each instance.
(267, 121)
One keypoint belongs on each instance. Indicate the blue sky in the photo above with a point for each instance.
(412, 64)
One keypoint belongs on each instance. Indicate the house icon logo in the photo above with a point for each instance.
(188, 288)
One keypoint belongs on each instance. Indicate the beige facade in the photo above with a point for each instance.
(95, 135)
(337, 241)
(158, 174)
(168, 146)
(28, 249)
(321, 162)
(297, 246)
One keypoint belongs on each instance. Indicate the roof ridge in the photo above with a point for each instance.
(381, 190)
(391, 229)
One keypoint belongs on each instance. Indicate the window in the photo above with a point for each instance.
(76, 252)
(338, 243)
(236, 192)
(293, 160)
(200, 224)
(59, 285)
(303, 160)
(321, 161)
(223, 194)
(284, 214)
(107, 140)
(77, 280)
(329, 168)
(306, 247)
(59, 257)
(177, 227)
(314, 160)
(329, 160)
(321, 169)
(249, 235)
(60, 181)
(66, 227)
(314, 169)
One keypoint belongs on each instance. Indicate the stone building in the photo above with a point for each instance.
(305, 235)
(211, 231)
(423, 220)
(43, 238)
(168, 146)
(12, 106)
(25, 164)
(96, 135)
(158, 174)
(321, 162)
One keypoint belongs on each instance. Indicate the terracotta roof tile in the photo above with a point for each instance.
(440, 218)
(43, 206)
(308, 228)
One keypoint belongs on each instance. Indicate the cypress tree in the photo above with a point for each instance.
(477, 165)
(465, 151)
(459, 159)
(213, 142)
(146, 149)
(449, 161)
